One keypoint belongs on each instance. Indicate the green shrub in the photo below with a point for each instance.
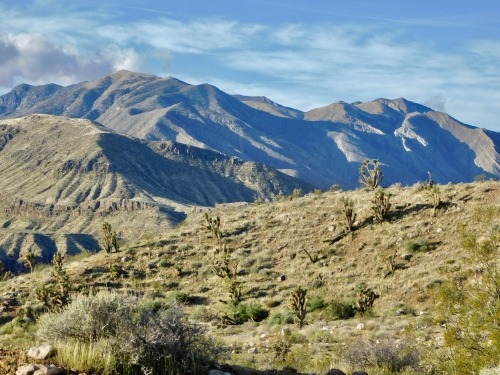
(132, 337)
(315, 303)
(244, 312)
(341, 309)
(180, 296)
(417, 245)
(280, 319)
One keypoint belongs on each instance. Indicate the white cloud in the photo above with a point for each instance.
(298, 65)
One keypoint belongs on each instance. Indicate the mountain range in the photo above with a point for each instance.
(323, 146)
(62, 178)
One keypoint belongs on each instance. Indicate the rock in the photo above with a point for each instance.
(331, 228)
(439, 230)
(335, 371)
(263, 336)
(281, 278)
(125, 259)
(40, 352)
(217, 372)
(39, 370)
(407, 257)
(360, 326)
(286, 331)
(253, 350)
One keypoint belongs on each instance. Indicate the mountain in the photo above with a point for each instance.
(323, 146)
(62, 177)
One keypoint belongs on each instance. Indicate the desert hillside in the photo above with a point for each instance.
(301, 242)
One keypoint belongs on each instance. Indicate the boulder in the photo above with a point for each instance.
(217, 372)
(33, 369)
(253, 350)
(335, 371)
(40, 352)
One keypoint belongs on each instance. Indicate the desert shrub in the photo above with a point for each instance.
(296, 193)
(468, 304)
(315, 303)
(280, 346)
(387, 355)
(131, 336)
(244, 312)
(272, 303)
(282, 318)
(341, 309)
(417, 245)
(180, 296)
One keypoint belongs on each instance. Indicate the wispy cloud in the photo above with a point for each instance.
(299, 65)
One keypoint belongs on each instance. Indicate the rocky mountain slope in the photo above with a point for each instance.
(61, 178)
(324, 146)
(285, 244)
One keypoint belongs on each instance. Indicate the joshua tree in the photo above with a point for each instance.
(29, 259)
(298, 305)
(370, 177)
(366, 298)
(348, 212)
(110, 238)
(381, 204)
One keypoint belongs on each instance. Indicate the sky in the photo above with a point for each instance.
(302, 54)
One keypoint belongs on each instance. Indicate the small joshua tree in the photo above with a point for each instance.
(298, 305)
(381, 204)
(366, 298)
(348, 212)
(29, 259)
(223, 266)
(370, 177)
(214, 225)
(110, 238)
(435, 194)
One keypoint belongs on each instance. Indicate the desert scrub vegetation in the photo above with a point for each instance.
(111, 333)
(469, 304)
(390, 356)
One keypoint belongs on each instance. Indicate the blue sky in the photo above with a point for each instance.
(303, 54)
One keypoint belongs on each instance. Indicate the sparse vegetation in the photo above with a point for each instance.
(423, 255)
(124, 335)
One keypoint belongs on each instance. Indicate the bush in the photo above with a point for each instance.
(417, 245)
(244, 312)
(315, 303)
(131, 336)
(387, 355)
(341, 309)
(279, 319)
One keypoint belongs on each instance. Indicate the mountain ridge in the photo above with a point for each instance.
(323, 146)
